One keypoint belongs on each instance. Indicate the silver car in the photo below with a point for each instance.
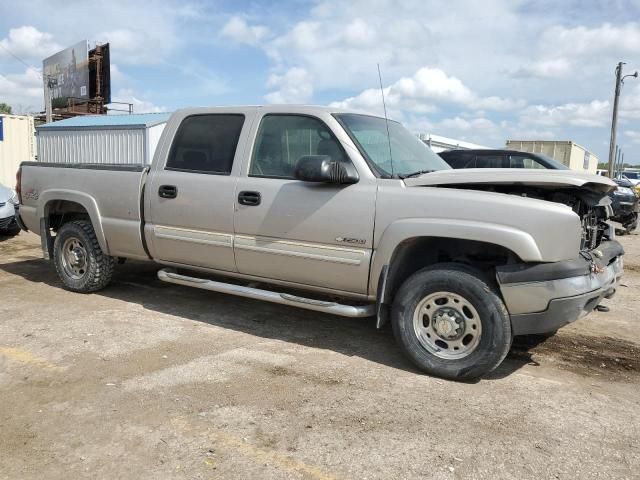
(8, 200)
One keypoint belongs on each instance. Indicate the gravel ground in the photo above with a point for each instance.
(151, 380)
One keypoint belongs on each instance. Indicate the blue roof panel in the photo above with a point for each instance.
(105, 121)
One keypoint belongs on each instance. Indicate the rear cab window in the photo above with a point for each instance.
(206, 144)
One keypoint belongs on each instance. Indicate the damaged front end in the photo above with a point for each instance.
(585, 194)
(593, 207)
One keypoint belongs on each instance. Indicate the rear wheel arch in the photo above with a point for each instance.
(57, 208)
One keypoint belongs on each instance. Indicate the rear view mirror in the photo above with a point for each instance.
(321, 168)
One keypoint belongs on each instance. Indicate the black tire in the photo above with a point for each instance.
(98, 267)
(10, 232)
(462, 281)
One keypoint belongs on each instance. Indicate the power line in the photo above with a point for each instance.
(20, 60)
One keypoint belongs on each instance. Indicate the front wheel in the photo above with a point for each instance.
(80, 263)
(451, 323)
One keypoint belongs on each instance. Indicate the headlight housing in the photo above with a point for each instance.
(624, 191)
(13, 199)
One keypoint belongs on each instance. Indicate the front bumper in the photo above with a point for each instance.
(8, 223)
(544, 297)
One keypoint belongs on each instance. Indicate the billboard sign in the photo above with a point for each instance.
(100, 73)
(68, 73)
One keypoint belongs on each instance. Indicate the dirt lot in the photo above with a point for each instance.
(150, 380)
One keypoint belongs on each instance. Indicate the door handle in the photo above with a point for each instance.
(251, 199)
(168, 191)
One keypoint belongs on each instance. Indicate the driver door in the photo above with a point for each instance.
(306, 233)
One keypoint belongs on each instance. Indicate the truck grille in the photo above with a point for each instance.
(7, 222)
(593, 228)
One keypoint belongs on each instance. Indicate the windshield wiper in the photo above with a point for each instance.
(414, 174)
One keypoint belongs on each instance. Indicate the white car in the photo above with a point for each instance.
(633, 177)
(8, 200)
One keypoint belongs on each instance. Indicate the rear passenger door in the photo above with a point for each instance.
(190, 195)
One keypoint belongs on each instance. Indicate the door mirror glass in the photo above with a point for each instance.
(321, 168)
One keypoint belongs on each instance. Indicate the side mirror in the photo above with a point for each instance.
(320, 168)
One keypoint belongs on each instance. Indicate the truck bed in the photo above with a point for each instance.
(111, 194)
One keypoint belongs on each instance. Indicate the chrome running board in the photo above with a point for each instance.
(353, 311)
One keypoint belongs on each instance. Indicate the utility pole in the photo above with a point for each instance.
(619, 165)
(614, 120)
(49, 84)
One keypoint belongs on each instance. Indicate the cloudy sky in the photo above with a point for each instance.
(479, 71)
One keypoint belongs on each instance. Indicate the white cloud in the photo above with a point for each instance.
(140, 105)
(140, 47)
(27, 42)
(633, 135)
(423, 91)
(630, 100)
(551, 68)
(592, 114)
(23, 91)
(117, 75)
(463, 125)
(237, 30)
(294, 86)
(581, 40)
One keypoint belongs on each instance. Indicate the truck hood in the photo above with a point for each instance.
(510, 176)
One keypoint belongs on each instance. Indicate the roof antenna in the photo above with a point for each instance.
(386, 120)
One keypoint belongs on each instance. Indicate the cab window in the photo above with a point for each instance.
(283, 139)
(489, 161)
(206, 144)
(521, 161)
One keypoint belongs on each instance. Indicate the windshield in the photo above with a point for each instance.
(408, 153)
(555, 165)
(631, 175)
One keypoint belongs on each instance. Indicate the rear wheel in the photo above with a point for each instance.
(451, 323)
(79, 261)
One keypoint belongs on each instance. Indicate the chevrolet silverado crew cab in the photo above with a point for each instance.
(343, 213)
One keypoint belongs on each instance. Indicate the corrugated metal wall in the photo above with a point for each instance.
(124, 146)
(17, 146)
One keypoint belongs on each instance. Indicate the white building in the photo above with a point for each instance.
(16, 145)
(439, 144)
(123, 139)
(566, 152)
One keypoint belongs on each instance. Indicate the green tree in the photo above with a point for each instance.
(5, 108)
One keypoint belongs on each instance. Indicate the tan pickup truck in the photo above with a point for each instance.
(343, 213)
